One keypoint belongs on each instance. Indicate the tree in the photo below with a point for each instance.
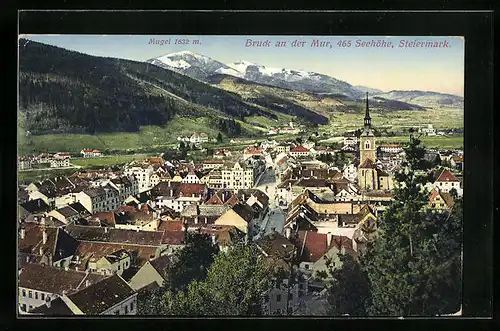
(219, 138)
(192, 262)
(414, 266)
(233, 286)
(349, 290)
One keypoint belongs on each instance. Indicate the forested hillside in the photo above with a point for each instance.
(67, 91)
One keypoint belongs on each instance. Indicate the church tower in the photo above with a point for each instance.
(367, 147)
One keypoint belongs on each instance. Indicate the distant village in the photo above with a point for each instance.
(92, 242)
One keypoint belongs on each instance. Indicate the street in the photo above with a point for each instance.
(275, 217)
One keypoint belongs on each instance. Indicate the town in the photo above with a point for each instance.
(96, 242)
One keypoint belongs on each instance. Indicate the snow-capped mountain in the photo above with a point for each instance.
(201, 67)
(192, 64)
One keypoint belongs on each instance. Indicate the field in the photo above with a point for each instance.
(157, 139)
(396, 121)
(148, 139)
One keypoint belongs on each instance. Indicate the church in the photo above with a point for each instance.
(370, 177)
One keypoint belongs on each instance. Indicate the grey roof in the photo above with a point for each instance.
(67, 211)
(57, 308)
(99, 297)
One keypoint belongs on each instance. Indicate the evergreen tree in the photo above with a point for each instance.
(349, 290)
(192, 262)
(414, 266)
(219, 138)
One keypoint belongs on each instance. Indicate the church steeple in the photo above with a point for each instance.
(368, 120)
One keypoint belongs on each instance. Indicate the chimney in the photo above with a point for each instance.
(328, 239)
(105, 229)
(42, 221)
(47, 302)
(44, 236)
(87, 283)
(288, 232)
(23, 233)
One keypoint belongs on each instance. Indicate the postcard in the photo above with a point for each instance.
(240, 175)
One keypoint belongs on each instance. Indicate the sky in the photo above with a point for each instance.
(439, 69)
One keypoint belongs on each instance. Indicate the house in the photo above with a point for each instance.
(279, 252)
(110, 296)
(96, 199)
(198, 138)
(41, 284)
(237, 175)
(153, 271)
(137, 220)
(221, 153)
(252, 152)
(191, 178)
(62, 156)
(428, 131)
(213, 163)
(241, 216)
(195, 216)
(225, 236)
(299, 151)
(446, 181)
(316, 248)
(142, 174)
(34, 208)
(65, 214)
(52, 245)
(110, 264)
(179, 196)
(350, 141)
(25, 163)
(391, 148)
(324, 150)
(89, 152)
(59, 163)
(283, 148)
(457, 162)
(440, 201)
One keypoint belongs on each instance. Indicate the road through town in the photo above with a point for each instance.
(275, 218)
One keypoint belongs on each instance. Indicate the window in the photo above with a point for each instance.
(307, 266)
(23, 307)
(131, 306)
(24, 293)
(30, 294)
(31, 307)
(117, 312)
(43, 296)
(36, 295)
(118, 267)
(126, 309)
(278, 298)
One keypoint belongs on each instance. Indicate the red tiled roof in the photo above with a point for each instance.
(188, 190)
(446, 176)
(173, 238)
(171, 226)
(107, 217)
(96, 151)
(314, 247)
(300, 149)
(98, 249)
(129, 209)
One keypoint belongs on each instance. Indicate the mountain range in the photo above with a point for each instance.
(202, 67)
(67, 91)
